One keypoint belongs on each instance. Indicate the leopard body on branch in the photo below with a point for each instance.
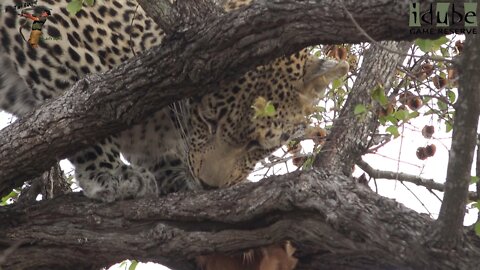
(209, 141)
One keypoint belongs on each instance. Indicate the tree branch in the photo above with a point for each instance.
(189, 62)
(429, 184)
(335, 224)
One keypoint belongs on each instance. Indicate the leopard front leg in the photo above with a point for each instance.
(103, 176)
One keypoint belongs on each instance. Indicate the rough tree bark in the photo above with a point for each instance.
(334, 223)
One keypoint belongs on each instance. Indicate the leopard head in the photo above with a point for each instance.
(230, 136)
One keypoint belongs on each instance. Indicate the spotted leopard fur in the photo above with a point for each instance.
(209, 141)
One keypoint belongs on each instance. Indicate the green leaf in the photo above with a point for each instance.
(401, 115)
(133, 265)
(393, 130)
(90, 2)
(474, 180)
(451, 96)
(444, 52)
(477, 228)
(426, 99)
(442, 105)
(383, 120)
(392, 119)
(429, 45)
(360, 109)
(74, 6)
(413, 115)
(448, 126)
(378, 94)
(337, 83)
(12, 195)
(270, 109)
(307, 165)
(123, 265)
(263, 108)
(317, 116)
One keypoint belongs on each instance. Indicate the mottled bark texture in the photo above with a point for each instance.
(334, 222)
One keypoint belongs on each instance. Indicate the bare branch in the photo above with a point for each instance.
(404, 177)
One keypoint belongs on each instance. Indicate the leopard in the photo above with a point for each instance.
(204, 142)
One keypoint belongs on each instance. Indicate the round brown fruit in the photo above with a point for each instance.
(298, 161)
(294, 148)
(427, 131)
(414, 103)
(421, 153)
(459, 46)
(439, 82)
(427, 68)
(430, 150)
(405, 97)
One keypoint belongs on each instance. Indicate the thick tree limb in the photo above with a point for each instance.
(464, 137)
(335, 224)
(189, 62)
(429, 184)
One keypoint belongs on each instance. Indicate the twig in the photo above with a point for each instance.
(131, 30)
(435, 194)
(416, 197)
